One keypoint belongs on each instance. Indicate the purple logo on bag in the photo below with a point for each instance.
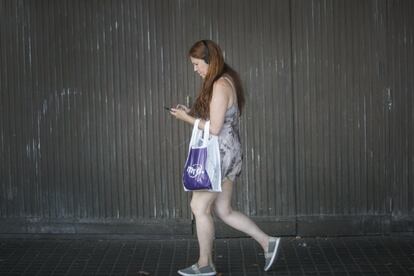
(195, 176)
(195, 170)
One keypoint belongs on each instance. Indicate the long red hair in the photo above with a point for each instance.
(217, 68)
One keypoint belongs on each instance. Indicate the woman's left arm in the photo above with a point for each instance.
(218, 106)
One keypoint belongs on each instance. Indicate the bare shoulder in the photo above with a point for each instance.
(223, 88)
(222, 85)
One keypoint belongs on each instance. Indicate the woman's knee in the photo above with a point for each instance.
(199, 208)
(222, 210)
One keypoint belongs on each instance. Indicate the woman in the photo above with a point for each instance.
(221, 101)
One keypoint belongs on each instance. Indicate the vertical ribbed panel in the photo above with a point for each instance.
(269, 126)
(84, 132)
(340, 112)
(401, 90)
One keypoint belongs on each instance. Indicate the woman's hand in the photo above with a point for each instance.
(180, 112)
(183, 107)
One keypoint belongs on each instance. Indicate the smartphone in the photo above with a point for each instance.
(167, 108)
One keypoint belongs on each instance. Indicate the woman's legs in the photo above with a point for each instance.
(235, 219)
(201, 203)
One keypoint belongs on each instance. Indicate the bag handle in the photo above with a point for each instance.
(197, 121)
(194, 135)
(206, 133)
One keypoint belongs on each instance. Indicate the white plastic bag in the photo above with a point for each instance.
(202, 172)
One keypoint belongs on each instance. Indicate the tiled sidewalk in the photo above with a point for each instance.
(308, 256)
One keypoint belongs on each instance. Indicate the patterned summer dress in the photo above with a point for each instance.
(229, 144)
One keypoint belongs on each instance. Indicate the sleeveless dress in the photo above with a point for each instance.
(229, 144)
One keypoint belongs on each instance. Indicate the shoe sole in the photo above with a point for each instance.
(204, 274)
(273, 256)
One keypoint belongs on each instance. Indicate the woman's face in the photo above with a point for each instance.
(200, 66)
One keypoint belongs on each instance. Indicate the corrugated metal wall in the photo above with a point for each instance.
(400, 33)
(341, 114)
(86, 146)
